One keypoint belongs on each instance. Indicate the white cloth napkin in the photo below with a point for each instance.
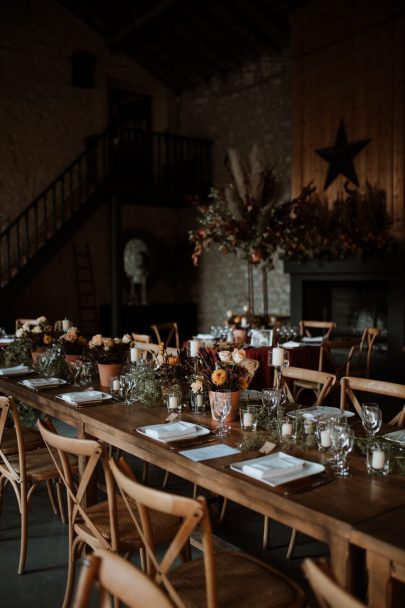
(14, 371)
(171, 431)
(82, 397)
(274, 467)
(42, 382)
(315, 339)
(291, 344)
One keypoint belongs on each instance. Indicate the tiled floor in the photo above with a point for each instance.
(44, 581)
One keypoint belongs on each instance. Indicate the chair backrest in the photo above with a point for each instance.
(144, 338)
(328, 593)
(91, 453)
(116, 577)
(348, 386)
(8, 409)
(367, 344)
(323, 379)
(193, 512)
(154, 348)
(347, 348)
(307, 327)
(166, 333)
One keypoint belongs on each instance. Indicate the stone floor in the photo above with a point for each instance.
(44, 581)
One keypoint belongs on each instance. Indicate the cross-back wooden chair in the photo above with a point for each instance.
(144, 338)
(106, 524)
(224, 578)
(350, 385)
(24, 469)
(118, 578)
(166, 333)
(360, 362)
(317, 328)
(328, 593)
(155, 348)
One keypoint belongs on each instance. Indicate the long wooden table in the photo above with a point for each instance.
(331, 513)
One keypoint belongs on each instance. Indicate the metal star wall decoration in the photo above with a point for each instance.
(340, 157)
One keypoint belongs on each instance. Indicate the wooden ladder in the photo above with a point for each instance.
(88, 321)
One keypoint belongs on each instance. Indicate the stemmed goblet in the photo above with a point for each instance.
(222, 406)
(343, 442)
(371, 418)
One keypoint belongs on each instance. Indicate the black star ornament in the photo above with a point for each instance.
(340, 157)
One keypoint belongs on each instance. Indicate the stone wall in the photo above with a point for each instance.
(251, 106)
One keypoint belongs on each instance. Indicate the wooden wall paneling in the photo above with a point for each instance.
(398, 124)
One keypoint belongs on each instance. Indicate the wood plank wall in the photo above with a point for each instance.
(348, 63)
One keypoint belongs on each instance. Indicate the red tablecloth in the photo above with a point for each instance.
(300, 356)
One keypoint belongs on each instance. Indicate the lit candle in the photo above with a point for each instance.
(243, 322)
(378, 459)
(194, 348)
(308, 426)
(172, 402)
(134, 354)
(248, 419)
(116, 385)
(286, 429)
(200, 400)
(65, 324)
(278, 356)
(325, 439)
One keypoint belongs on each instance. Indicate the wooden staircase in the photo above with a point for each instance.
(122, 161)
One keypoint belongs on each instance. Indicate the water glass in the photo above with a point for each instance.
(222, 407)
(378, 458)
(270, 399)
(343, 444)
(371, 418)
(248, 417)
(173, 401)
(127, 386)
(198, 402)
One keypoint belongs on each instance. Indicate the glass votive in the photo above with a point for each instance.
(115, 386)
(378, 458)
(309, 426)
(298, 427)
(173, 401)
(248, 417)
(198, 402)
(323, 435)
(285, 429)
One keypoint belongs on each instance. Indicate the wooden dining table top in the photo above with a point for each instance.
(330, 512)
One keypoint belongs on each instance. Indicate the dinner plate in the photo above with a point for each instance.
(19, 370)
(38, 383)
(100, 398)
(316, 411)
(200, 431)
(309, 468)
(397, 437)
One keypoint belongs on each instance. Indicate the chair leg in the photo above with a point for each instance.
(195, 490)
(145, 472)
(51, 497)
(266, 532)
(223, 510)
(71, 571)
(165, 480)
(291, 546)
(24, 518)
(61, 504)
(3, 482)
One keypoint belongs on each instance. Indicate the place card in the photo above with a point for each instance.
(171, 417)
(267, 447)
(213, 451)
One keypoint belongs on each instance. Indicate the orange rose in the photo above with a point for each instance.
(47, 339)
(172, 360)
(219, 377)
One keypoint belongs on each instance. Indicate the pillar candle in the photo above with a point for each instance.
(286, 429)
(65, 324)
(116, 385)
(248, 419)
(200, 400)
(194, 348)
(172, 402)
(278, 356)
(134, 354)
(325, 439)
(378, 459)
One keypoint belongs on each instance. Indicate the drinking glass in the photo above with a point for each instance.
(75, 369)
(127, 383)
(270, 399)
(222, 406)
(371, 418)
(343, 442)
(336, 424)
(198, 401)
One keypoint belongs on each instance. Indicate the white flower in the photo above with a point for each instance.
(26, 327)
(196, 386)
(37, 329)
(19, 332)
(238, 355)
(126, 338)
(225, 356)
(41, 320)
(96, 340)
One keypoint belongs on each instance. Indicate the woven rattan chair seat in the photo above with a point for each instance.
(164, 525)
(39, 464)
(242, 581)
(32, 440)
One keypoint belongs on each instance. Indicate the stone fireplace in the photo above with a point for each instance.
(356, 295)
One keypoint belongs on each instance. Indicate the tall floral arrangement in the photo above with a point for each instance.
(39, 333)
(109, 350)
(238, 216)
(223, 370)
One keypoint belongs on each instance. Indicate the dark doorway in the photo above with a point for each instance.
(130, 109)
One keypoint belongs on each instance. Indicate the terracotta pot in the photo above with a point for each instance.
(36, 355)
(234, 411)
(71, 358)
(107, 371)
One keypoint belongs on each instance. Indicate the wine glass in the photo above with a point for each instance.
(75, 369)
(343, 442)
(222, 406)
(371, 418)
(336, 424)
(127, 382)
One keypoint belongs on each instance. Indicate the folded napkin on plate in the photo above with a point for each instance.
(291, 344)
(273, 467)
(16, 370)
(174, 430)
(82, 397)
(42, 382)
(312, 339)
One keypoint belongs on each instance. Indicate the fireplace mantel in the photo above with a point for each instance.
(386, 273)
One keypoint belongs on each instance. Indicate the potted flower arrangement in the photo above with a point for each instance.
(110, 355)
(226, 371)
(39, 335)
(73, 344)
